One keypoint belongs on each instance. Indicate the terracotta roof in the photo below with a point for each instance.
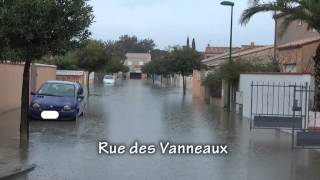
(254, 50)
(218, 50)
(299, 42)
(221, 58)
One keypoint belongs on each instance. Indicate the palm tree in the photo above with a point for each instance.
(306, 10)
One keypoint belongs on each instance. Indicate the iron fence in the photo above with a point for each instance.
(286, 106)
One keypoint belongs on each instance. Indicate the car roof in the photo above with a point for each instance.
(62, 82)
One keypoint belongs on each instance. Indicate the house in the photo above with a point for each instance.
(263, 54)
(295, 46)
(135, 61)
(253, 53)
(74, 76)
(215, 51)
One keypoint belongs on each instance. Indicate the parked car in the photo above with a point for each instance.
(61, 100)
(108, 79)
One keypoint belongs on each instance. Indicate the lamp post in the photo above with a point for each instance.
(231, 4)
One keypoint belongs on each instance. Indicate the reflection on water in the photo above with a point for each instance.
(137, 110)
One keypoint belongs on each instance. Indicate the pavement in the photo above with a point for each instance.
(13, 159)
(314, 120)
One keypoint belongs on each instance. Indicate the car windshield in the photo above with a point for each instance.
(108, 77)
(57, 89)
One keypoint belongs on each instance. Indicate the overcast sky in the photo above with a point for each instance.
(169, 22)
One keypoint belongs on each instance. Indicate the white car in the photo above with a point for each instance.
(108, 79)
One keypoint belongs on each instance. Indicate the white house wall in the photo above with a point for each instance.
(270, 98)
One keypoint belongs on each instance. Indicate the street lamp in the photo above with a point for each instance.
(231, 4)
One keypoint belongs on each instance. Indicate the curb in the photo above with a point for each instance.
(17, 171)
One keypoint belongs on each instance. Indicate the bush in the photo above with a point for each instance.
(231, 71)
(213, 82)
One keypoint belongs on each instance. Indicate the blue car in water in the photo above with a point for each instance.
(61, 100)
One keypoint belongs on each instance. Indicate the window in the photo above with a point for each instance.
(57, 89)
(141, 63)
(290, 68)
(129, 63)
(108, 77)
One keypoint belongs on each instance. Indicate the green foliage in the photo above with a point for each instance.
(316, 60)
(30, 29)
(93, 57)
(188, 43)
(159, 54)
(184, 60)
(181, 61)
(157, 66)
(213, 81)
(231, 71)
(63, 62)
(305, 10)
(127, 44)
(33, 28)
(125, 69)
(10, 55)
(211, 78)
(193, 44)
(115, 65)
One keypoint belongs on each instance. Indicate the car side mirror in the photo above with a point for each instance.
(80, 97)
(33, 93)
(80, 92)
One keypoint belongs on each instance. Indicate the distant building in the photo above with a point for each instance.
(135, 61)
(74, 76)
(296, 46)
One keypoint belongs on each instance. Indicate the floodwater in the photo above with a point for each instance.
(137, 111)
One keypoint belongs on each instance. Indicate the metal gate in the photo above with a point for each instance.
(284, 106)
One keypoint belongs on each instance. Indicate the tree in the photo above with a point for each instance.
(291, 10)
(33, 28)
(125, 69)
(150, 68)
(231, 71)
(184, 61)
(159, 54)
(305, 10)
(317, 77)
(188, 43)
(127, 44)
(114, 65)
(63, 62)
(193, 44)
(93, 57)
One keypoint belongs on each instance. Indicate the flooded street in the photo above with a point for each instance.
(135, 110)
